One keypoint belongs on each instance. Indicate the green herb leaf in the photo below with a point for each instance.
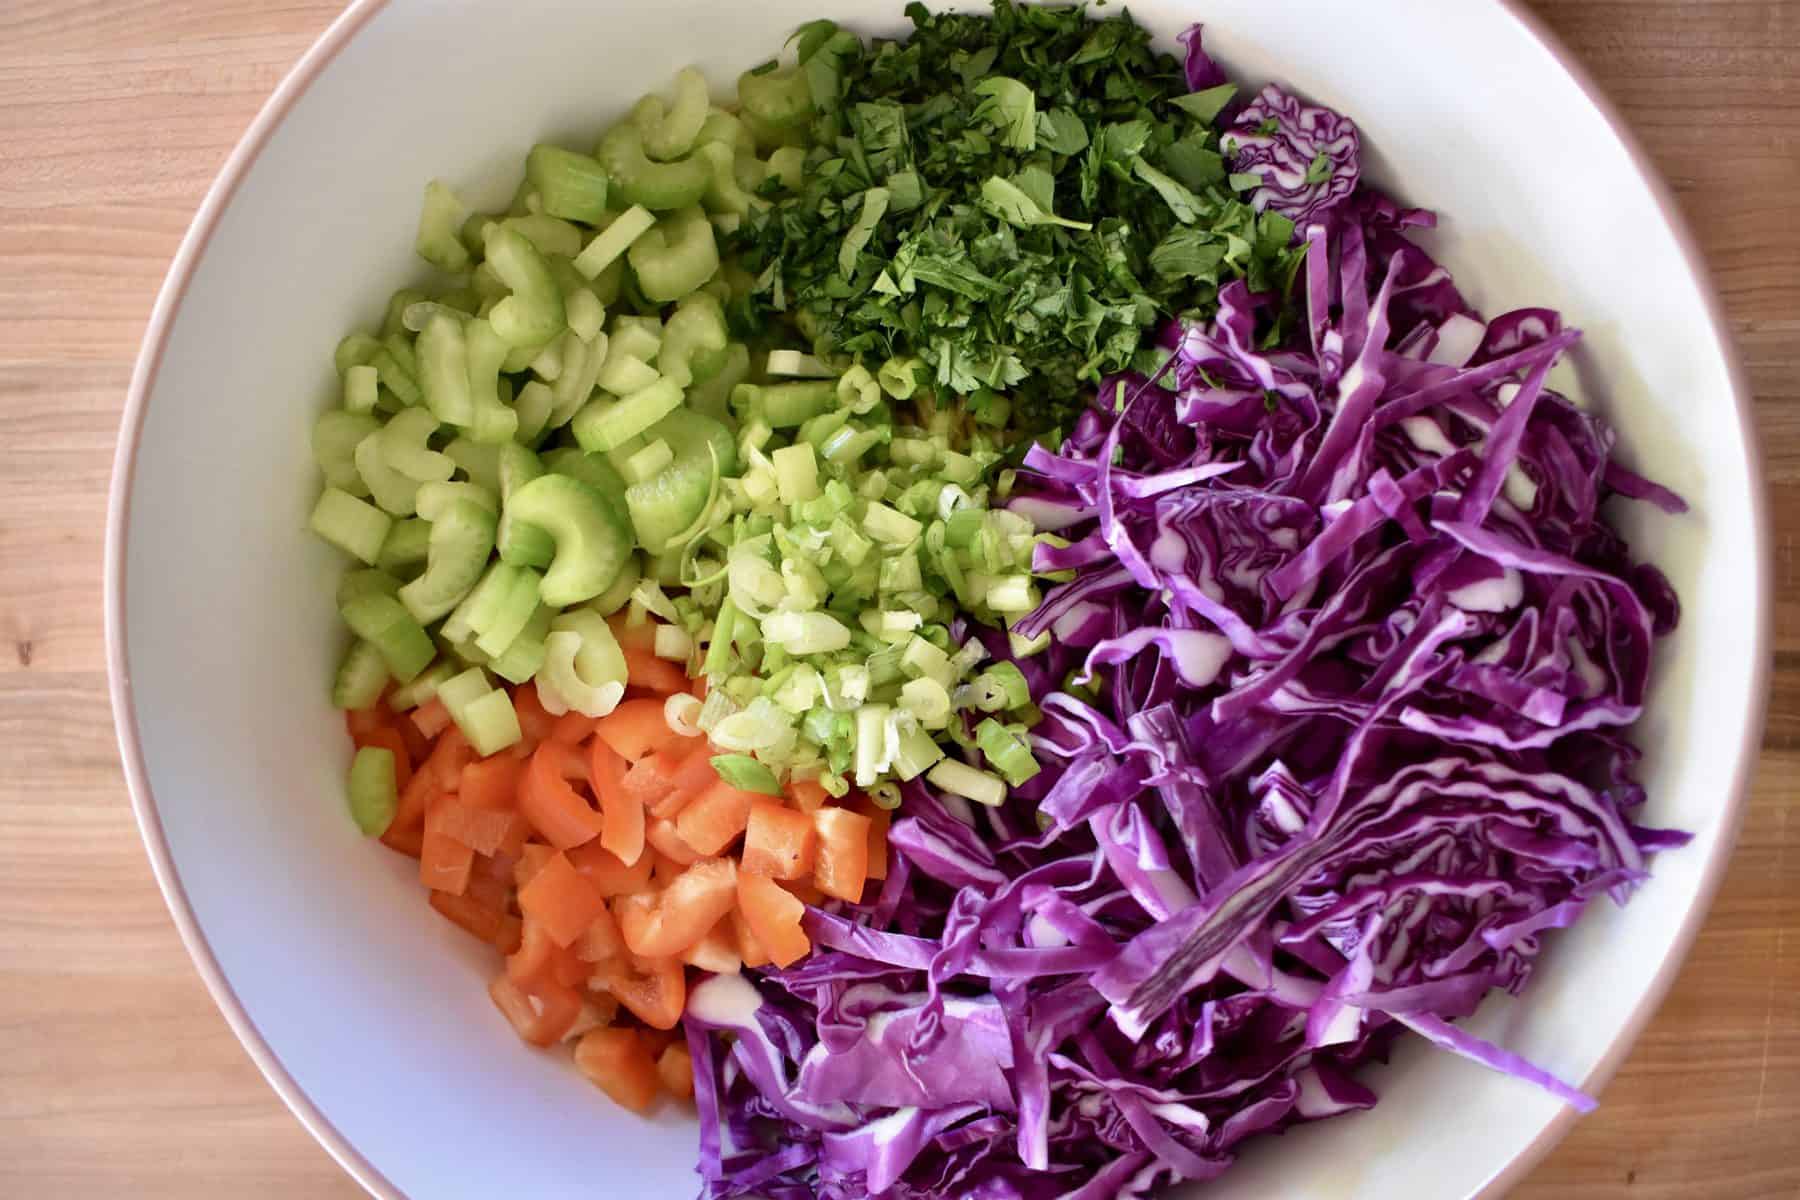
(1205, 105)
(1011, 108)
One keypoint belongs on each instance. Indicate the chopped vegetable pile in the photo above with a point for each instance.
(990, 584)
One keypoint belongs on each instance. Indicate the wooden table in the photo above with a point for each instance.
(117, 1075)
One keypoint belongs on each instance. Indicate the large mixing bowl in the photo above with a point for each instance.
(368, 1012)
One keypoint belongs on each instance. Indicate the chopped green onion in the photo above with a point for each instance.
(746, 774)
(960, 779)
(1006, 751)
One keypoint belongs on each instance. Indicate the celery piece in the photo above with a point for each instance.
(582, 364)
(659, 186)
(491, 422)
(587, 316)
(405, 447)
(591, 541)
(421, 688)
(355, 350)
(694, 341)
(746, 774)
(1005, 752)
(676, 256)
(724, 128)
(610, 244)
(360, 677)
(727, 194)
(614, 598)
(605, 424)
(552, 237)
(786, 405)
(436, 498)
(480, 463)
(444, 370)
(490, 722)
(670, 131)
(775, 105)
(352, 525)
(532, 312)
(663, 509)
(374, 792)
(521, 660)
(647, 463)
(787, 166)
(640, 337)
(533, 407)
(365, 581)
(461, 690)
(501, 622)
(519, 543)
(406, 545)
(569, 185)
(440, 220)
(712, 397)
(362, 390)
(335, 436)
(795, 365)
(622, 374)
(402, 641)
(462, 537)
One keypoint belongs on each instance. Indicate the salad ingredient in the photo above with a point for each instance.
(1015, 198)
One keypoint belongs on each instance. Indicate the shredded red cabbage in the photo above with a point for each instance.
(1335, 728)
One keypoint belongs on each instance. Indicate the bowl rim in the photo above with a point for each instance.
(219, 195)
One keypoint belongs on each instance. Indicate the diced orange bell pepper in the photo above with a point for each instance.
(560, 897)
(779, 842)
(665, 924)
(842, 865)
(619, 1064)
(555, 809)
(610, 876)
(715, 818)
(774, 916)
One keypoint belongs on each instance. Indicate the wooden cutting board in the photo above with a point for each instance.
(117, 1075)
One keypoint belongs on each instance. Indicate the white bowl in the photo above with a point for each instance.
(367, 1011)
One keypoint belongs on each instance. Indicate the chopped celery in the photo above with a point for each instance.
(676, 256)
(587, 316)
(889, 525)
(658, 186)
(335, 436)
(444, 370)
(404, 645)
(355, 350)
(551, 236)
(361, 389)
(498, 625)
(569, 185)
(581, 368)
(365, 581)
(407, 544)
(671, 132)
(729, 194)
(533, 407)
(462, 537)
(775, 105)
(560, 683)
(694, 342)
(374, 792)
(746, 774)
(622, 374)
(605, 424)
(592, 543)
(611, 243)
(405, 447)
(421, 688)
(480, 463)
(640, 337)
(532, 312)
(490, 722)
(785, 405)
(460, 690)
(521, 660)
(360, 677)
(350, 524)
(435, 498)
(796, 365)
(440, 219)
(648, 462)
(491, 422)
(614, 598)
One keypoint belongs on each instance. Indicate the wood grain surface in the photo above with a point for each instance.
(117, 1075)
